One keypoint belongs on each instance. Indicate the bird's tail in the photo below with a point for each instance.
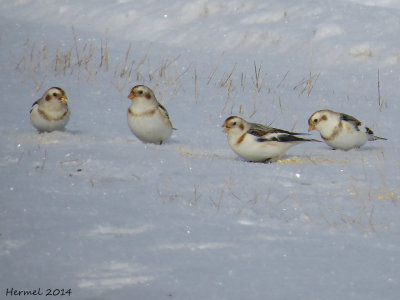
(375, 138)
(372, 137)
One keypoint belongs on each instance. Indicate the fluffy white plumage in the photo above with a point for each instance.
(50, 112)
(259, 143)
(147, 118)
(341, 131)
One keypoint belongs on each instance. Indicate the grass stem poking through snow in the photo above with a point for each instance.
(44, 160)
(227, 81)
(76, 46)
(123, 73)
(380, 100)
(104, 57)
(308, 83)
(196, 82)
(212, 74)
(259, 79)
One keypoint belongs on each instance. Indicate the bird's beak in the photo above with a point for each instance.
(311, 127)
(225, 128)
(64, 100)
(131, 95)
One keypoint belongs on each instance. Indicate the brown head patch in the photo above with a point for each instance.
(47, 97)
(231, 118)
(313, 120)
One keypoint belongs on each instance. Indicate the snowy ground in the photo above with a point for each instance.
(94, 211)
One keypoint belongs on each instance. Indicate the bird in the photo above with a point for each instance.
(341, 131)
(259, 143)
(51, 112)
(147, 118)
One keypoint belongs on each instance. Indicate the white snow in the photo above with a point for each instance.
(96, 211)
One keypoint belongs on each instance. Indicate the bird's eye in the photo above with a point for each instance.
(315, 120)
(234, 123)
(140, 92)
(55, 94)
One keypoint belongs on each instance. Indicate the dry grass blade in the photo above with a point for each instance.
(283, 79)
(165, 65)
(258, 81)
(104, 57)
(227, 81)
(380, 99)
(308, 83)
(196, 82)
(212, 74)
(76, 47)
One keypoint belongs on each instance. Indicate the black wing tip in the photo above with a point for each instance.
(34, 103)
(379, 138)
(286, 139)
(372, 136)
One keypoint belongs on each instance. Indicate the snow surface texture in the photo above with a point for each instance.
(94, 210)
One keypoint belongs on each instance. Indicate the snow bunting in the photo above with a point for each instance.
(259, 143)
(340, 131)
(147, 118)
(50, 112)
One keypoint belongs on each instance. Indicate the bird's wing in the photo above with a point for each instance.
(36, 102)
(260, 129)
(282, 136)
(351, 120)
(164, 110)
